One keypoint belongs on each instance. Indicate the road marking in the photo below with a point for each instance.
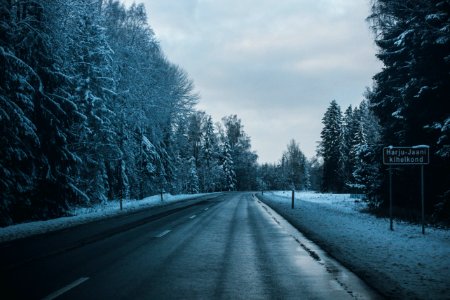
(162, 233)
(207, 208)
(66, 288)
(191, 217)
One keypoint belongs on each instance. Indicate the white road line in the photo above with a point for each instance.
(163, 233)
(191, 217)
(66, 289)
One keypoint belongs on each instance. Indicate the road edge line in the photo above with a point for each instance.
(65, 289)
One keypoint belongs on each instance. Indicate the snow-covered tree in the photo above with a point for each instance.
(33, 41)
(92, 110)
(330, 149)
(350, 122)
(366, 175)
(210, 171)
(244, 159)
(93, 86)
(294, 165)
(194, 133)
(228, 168)
(85, 89)
(209, 142)
(193, 182)
(18, 85)
(153, 96)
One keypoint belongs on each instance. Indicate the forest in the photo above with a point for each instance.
(407, 105)
(91, 110)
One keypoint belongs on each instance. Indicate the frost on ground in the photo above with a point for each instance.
(402, 264)
(84, 215)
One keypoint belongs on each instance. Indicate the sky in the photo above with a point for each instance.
(276, 64)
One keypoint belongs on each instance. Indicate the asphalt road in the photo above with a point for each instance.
(223, 247)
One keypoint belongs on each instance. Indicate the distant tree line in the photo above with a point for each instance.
(91, 110)
(347, 150)
(345, 161)
(292, 172)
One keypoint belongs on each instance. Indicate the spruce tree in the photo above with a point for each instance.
(18, 136)
(350, 122)
(210, 170)
(329, 149)
(228, 168)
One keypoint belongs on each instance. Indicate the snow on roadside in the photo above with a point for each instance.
(84, 215)
(403, 264)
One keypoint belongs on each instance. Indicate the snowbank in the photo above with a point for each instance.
(85, 215)
(402, 264)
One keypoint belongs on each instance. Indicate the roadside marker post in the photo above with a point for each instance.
(293, 195)
(401, 156)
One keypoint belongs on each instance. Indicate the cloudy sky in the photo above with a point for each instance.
(277, 64)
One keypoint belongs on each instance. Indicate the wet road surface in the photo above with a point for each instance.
(229, 247)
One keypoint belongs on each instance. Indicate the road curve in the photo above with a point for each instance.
(231, 247)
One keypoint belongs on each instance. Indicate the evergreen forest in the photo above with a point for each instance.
(408, 105)
(91, 110)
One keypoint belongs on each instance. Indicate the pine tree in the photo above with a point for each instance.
(93, 85)
(193, 183)
(210, 170)
(350, 123)
(19, 139)
(365, 152)
(329, 149)
(244, 159)
(195, 134)
(228, 169)
(34, 43)
(209, 144)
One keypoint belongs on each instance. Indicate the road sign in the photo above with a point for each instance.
(416, 155)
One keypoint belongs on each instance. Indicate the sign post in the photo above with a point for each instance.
(401, 156)
(423, 199)
(390, 199)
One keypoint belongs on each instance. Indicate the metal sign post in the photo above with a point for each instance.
(423, 199)
(390, 199)
(401, 156)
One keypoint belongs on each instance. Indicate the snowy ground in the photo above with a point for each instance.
(403, 264)
(85, 215)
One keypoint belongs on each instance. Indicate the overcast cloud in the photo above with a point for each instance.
(277, 64)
